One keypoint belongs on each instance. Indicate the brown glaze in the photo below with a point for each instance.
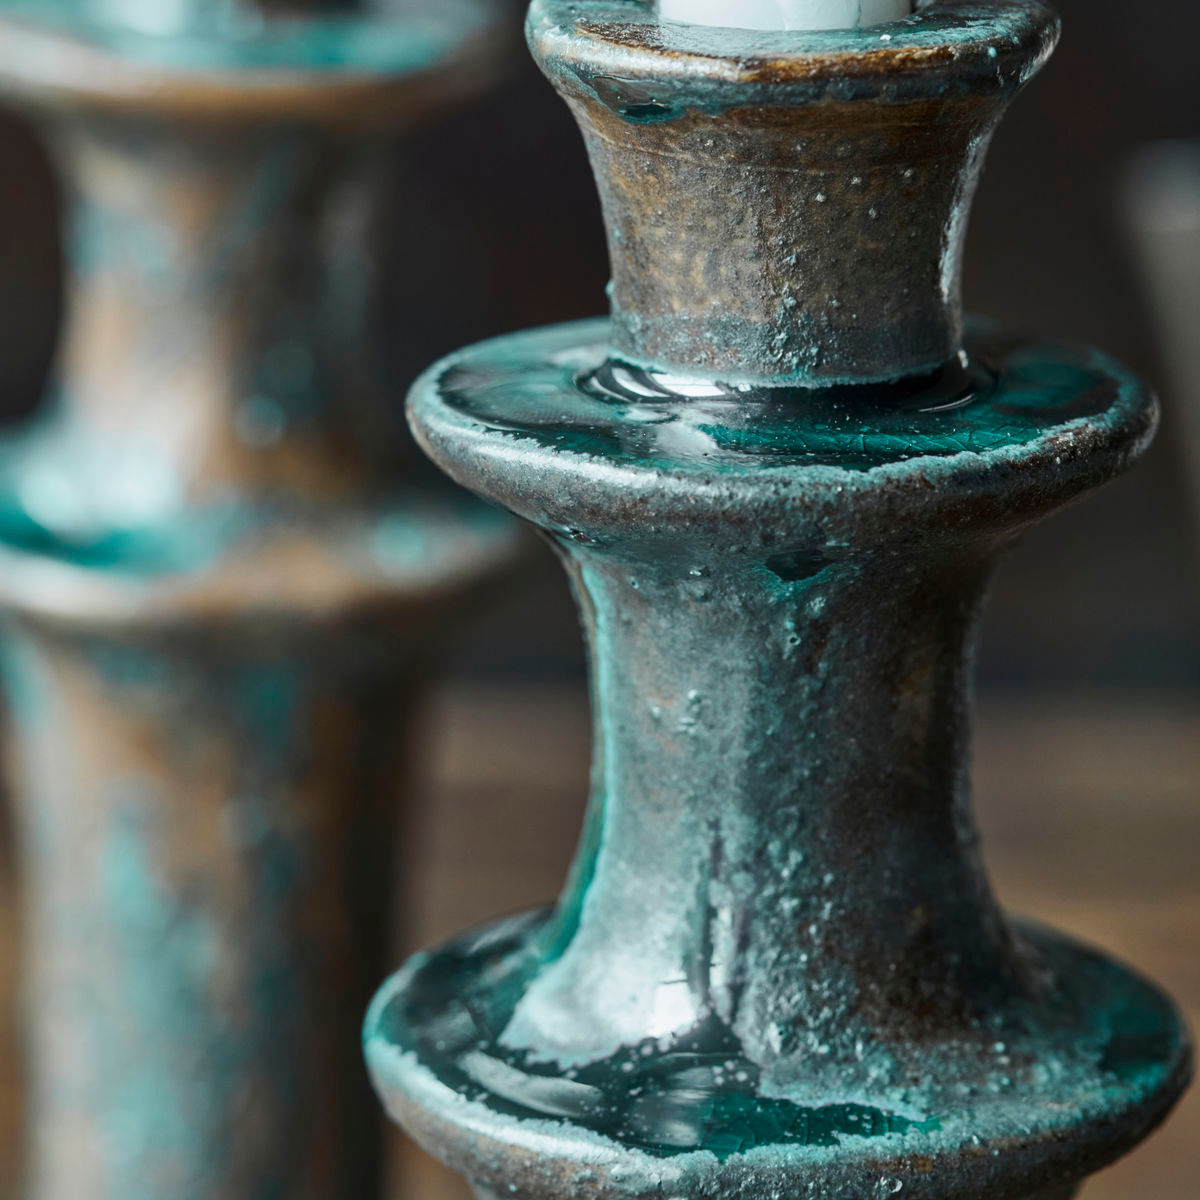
(796, 215)
(205, 916)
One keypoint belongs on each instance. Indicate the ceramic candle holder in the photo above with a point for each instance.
(225, 574)
(780, 478)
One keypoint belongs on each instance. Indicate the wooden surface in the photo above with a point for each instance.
(1091, 816)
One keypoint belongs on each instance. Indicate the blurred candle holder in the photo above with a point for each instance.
(780, 478)
(226, 575)
(1162, 204)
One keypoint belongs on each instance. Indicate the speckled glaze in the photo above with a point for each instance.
(777, 970)
(788, 206)
(225, 576)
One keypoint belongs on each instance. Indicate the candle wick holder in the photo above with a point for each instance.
(780, 478)
(226, 575)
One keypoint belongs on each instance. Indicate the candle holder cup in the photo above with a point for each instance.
(226, 575)
(780, 478)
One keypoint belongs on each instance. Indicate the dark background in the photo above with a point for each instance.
(506, 234)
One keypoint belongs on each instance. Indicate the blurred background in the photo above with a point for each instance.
(1089, 741)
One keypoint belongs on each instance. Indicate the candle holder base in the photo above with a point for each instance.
(1074, 1085)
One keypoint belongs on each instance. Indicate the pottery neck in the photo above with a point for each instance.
(220, 282)
(838, 262)
(788, 207)
(779, 838)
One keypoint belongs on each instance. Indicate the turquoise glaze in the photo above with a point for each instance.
(778, 963)
(694, 1113)
(560, 390)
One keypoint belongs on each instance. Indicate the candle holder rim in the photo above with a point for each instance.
(993, 45)
(351, 566)
(592, 491)
(353, 71)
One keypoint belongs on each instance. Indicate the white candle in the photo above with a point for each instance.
(784, 14)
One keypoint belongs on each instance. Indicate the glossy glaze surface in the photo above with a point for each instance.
(778, 960)
(779, 480)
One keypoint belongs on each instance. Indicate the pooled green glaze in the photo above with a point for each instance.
(691, 1109)
(559, 389)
